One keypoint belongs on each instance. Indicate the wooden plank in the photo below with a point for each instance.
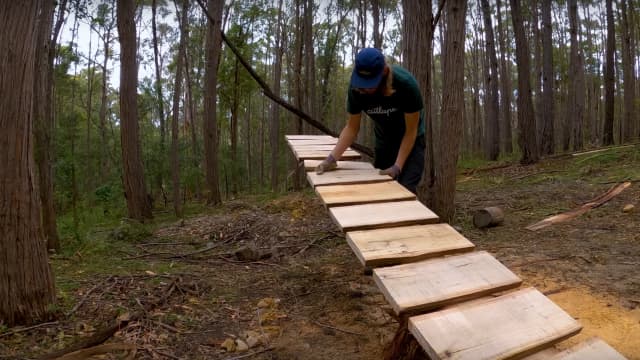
(329, 147)
(383, 215)
(383, 247)
(305, 142)
(322, 154)
(311, 165)
(308, 137)
(344, 177)
(509, 326)
(591, 349)
(352, 194)
(429, 284)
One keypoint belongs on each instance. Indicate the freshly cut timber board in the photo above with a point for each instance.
(302, 148)
(509, 326)
(382, 215)
(398, 245)
(307, 142)
(308, 137)
(344, 177)
(310, 165)
(590, 349)
(428, 284)
(322, 154)
(352, 194)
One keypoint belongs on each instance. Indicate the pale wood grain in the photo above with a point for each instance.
(311, 165)
(297, 148)
(322, 154)
(510, 326)
(307, 137)
(590, 349)
(429, 284)
(374, 216)
(383, 247)
(343, 177)
(328, 141)
(352, 194)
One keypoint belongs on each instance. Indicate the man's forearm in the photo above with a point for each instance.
(408, 140)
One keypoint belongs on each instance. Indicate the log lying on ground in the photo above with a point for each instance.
(487, 217)
(610, 194)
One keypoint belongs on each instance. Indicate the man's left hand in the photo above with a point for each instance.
(393, 171)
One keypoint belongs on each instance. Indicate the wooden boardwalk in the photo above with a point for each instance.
(460, 303)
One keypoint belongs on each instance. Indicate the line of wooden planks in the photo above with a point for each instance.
(457, 299)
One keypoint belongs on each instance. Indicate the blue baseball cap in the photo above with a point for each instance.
(368, 69)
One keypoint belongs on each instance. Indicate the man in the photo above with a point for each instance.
(391, 97)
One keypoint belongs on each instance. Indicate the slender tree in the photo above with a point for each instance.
(158, 89)
(547, 143)
(26, 280)
(575, 100)
(274, 128)
(609, 77)
(177, 91)
(492, 126)
(526, 116)
(628, 66)
(43, 116)
(505, 84)
(450, 133)
(135, 189)
(210, 124)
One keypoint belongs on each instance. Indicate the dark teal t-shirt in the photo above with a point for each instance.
(388, 112)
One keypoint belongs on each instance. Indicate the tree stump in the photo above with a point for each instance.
(404, 346)
(488, 217)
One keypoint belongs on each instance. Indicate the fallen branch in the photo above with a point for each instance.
(100, 350)
(600, 200)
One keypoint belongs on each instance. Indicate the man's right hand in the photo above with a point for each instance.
(327, 164)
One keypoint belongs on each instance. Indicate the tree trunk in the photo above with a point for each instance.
(609, 77)
(159, 95)
(103, 101)
(628, 66)
(526, 117)
(138, 202)
(377, 34)
(492, 125)
(575, 99)
(233, 131)
(452, 109)
(26, 280)
(191, 116)
(177, 91)
(210, 123)
(274, 128)
(43, 120)
(505, 85)
(89, 175)
(547, 143)
(417, 54)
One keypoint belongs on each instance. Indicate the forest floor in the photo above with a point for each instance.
(298, 292)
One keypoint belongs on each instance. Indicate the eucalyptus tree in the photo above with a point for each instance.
(574, 117)
(138, 203)
(492, 125)
(609, 77)
(26, 280)
(505, 83)
(547, 143)
(527, 135)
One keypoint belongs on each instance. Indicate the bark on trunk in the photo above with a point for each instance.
(526, 118)
(210, 123)
(609, 78)
(26, 280)
(547, 143)
(274, 128)
(492, 126)
(575, 101)
(159, 95)
(138, 202)
(505, 86)
(452, 108)
(628, 66)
